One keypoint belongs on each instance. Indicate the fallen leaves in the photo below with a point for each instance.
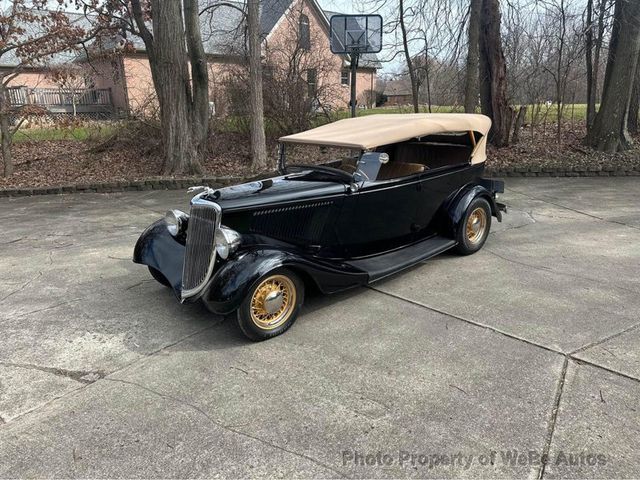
(53, 163)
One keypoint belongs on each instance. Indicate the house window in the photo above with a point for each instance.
(312, 81)
(267, 72)
(344, 77)
(305, 33)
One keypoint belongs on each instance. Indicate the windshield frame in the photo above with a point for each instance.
(283, 167)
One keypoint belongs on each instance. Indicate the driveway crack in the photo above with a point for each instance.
(228, 428)
(605, 339)
(554, 418)
(24, 285)
(515, 227)
(566, 358)
(128, 365)
(82, 376)
(582, 361)
(551, 270)
(573, 209)
(44, 309)
(471, 322)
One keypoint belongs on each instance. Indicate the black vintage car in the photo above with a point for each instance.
(410, 188)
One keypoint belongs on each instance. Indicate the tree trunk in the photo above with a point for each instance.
(522, 113)
(493, 74)
(613, 43)
(610, 133)
(634, 105)
(593, 48)
(199, 75)
(7, 140)
(471, 76)
(6, 137)
(183, 99)
(407, 54)
(258, 141)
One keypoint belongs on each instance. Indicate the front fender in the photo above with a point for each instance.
(158, 249)
(232, 281)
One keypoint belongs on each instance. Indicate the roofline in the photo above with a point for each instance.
(277, 24)
(24, 67)
(143, 51)
(325, 22)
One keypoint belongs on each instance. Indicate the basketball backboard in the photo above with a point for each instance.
(356, 34)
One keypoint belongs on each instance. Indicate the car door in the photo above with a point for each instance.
(379, 216)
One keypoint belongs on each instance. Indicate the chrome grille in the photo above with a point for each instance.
(200, 253)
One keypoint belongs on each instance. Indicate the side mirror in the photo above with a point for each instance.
(369, 166)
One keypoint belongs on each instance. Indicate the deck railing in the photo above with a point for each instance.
(63, 100)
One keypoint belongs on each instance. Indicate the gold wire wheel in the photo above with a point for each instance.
(273, 302)
(476, 225)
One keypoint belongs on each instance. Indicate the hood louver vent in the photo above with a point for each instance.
(303, 223)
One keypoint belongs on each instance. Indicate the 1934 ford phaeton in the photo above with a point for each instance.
(410, 188)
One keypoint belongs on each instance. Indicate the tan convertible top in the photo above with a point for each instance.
(371, 131)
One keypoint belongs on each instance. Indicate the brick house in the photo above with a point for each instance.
(125, 78)
(286, 25)
(38, 84)
(398, 92)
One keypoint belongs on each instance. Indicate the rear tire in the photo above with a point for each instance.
(159, 277)
(474, 227)
(272, 305)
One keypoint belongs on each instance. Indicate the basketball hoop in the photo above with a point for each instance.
(355, 35)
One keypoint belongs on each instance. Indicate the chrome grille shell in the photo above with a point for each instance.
(200, 251)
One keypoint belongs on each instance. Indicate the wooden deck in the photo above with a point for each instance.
(63, 101)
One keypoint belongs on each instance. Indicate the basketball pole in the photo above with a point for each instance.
(354, 68)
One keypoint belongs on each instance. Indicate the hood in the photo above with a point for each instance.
(275, 190)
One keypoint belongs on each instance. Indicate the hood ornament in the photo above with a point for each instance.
(201, 188)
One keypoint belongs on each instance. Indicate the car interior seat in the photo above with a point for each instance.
(397, 170)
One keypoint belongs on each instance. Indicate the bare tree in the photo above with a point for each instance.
(258, 141)
(594, 37)
(473, 58)
(407, 56)
(493, 75)
(171, 35)
(299, 79)
(182, 94)
(565, 47)
(634, 105)
(71, 80)
(609, 132)
(32, 35)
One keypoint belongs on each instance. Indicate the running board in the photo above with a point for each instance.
(382, 266)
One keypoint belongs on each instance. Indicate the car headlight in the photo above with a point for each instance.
(227, 241)
(176, 221)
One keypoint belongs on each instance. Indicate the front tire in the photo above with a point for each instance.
(474, 227)
(272, 305)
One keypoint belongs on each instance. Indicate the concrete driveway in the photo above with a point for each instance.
(520, 361)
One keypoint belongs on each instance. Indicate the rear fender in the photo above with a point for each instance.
(234, 278)
(457, 206)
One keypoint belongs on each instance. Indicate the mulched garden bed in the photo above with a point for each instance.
(55, 163)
